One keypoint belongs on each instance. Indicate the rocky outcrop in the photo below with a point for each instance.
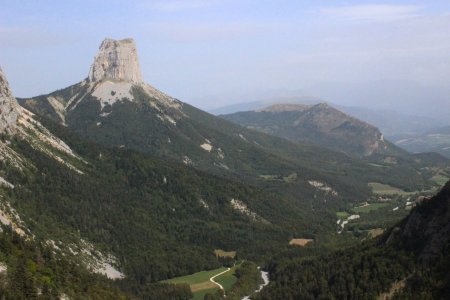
(114, 77)
(116, 60)
(9, 108)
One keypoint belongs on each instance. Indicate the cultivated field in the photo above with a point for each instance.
(376, 232)
(369, 207)
(300, 242)
(201, 285)
(440, 179)
(222, 253)
(342, 214)
(385, 189)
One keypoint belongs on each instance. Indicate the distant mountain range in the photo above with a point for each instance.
(434, 140)
(403, 96)
(389, 122)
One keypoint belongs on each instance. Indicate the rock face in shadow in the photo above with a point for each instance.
(9, 108)
(117, 60)
(426, 231)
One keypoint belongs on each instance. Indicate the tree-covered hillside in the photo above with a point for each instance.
(411, 261)
(159, 219)
(30, 269)
(182, 133)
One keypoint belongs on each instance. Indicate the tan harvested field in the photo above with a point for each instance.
(376, 232)
(222, 253)
(202, 286)
(300, 242)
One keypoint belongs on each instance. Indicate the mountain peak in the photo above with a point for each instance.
(322, 105)
(320, 124)
(9, 108)
(282, 107)
(116, 60)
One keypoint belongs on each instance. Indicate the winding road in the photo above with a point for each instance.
(218, 284)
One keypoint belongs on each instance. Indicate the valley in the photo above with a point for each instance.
(113, 189)
(434, 140)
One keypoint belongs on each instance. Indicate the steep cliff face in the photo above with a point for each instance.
(117, 60)
(9, 108)
(114, 78)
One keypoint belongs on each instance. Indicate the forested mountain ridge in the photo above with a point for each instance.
(129, 215)
(410, 261)
(318, 124)
(150, 186)
(31, 264)
(115, 111)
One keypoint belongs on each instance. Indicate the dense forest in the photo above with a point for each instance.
(412, 256)
(130, 196)
(158, 218)
(237, 151)
(32, 270)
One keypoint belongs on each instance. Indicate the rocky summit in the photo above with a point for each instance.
(117, 60)
(114, 78)
(9, 108)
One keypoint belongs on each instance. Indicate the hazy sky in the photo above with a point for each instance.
(196, 50)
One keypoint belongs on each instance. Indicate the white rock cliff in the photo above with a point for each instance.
(116, 60)
(9, 108)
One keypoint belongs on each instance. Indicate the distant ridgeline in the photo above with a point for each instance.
(318, 124)
(435, 140)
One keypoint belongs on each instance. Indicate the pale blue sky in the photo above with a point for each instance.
(196, 50)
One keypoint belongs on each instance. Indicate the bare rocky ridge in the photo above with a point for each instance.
(114, 77)
(9, 108)
(117, 60)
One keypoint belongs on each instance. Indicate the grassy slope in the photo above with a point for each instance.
(385, 189)
(370, 207)
(194, 280)
(227, 279)
(198, 277)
